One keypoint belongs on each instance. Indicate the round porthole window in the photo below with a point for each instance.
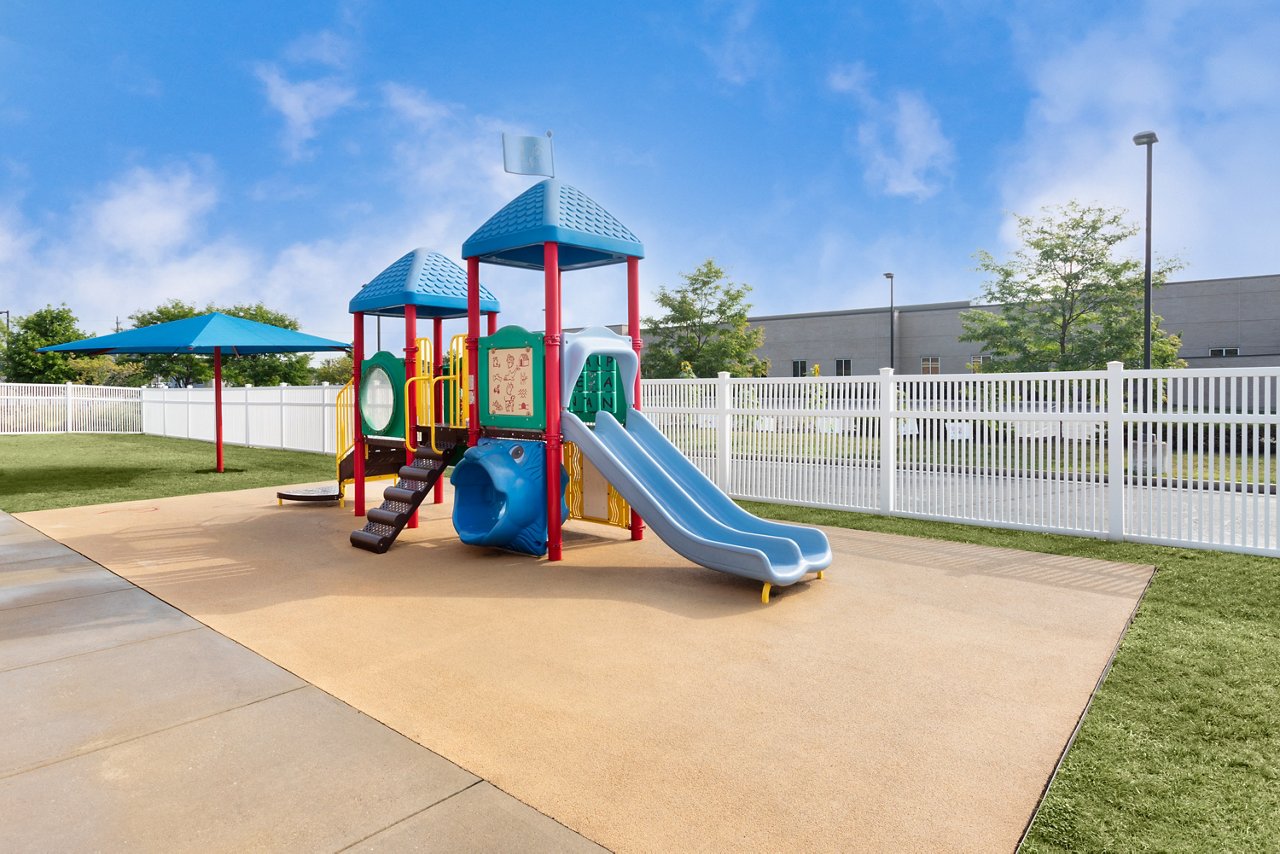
(382, 395)
(377, 399)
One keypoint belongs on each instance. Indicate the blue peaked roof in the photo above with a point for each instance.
(428, 280)
(589, 236)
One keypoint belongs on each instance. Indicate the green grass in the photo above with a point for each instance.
(42, 472)
(1181, 748)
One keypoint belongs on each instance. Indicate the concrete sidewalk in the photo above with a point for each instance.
(131, 726)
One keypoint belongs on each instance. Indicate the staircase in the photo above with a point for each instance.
(399, 502)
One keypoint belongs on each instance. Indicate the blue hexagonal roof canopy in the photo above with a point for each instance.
(589, 236)
(422, 278)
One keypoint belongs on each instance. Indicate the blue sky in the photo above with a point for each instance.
(240, 151)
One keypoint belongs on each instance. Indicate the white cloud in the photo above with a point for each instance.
(146, 213)
(324, 47)
(899, 138)
(1212, 97)
(303, 104)
(851, 79)
(738, 54)
(917, 156)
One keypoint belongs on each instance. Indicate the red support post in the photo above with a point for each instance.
(357, 450)
(437, 400)
(217, 401)
(633, 328)
(493, 321)
(473, 350)
(411, 402)
(551, 281)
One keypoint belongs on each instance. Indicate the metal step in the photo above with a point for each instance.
(376, 543)
(416, 473)
(388, 517)
(399, 493)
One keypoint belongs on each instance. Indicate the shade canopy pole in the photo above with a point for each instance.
(217, 401)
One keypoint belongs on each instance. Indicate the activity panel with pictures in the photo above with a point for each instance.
(511, 379)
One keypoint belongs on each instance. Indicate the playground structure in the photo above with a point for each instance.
(500, 408)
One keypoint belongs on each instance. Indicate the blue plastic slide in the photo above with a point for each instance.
(689, 513)
(812, 542)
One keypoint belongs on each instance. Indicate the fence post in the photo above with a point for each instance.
(282, 418)
(1115, 451)
(67, 408)
(248, 442)
(188, 409)
(724, 437)
(888, 442)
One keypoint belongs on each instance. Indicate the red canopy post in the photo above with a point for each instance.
(217, 401)
(551, 282)
(357, 450)
(493, 321)
(411, 399)
(437, 401)
(633, 328)
(473, 350)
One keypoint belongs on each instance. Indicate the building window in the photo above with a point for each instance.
(1223, 351)
(930, 364)
(844, 367)
(977, 363)
(800, 368)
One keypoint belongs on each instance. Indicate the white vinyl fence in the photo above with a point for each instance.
(295, 418)
(1183, 458)
(37, 408)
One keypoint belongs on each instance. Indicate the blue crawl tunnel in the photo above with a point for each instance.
(500, 496)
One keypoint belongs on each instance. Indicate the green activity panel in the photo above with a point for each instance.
(382, 395)
(512, 379)
(599, 389)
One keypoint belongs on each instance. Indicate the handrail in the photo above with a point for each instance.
(346, 421)
(410, 427)
(457, 362)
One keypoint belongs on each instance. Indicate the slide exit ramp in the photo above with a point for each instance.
(694, 518)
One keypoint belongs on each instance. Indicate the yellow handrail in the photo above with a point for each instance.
(344, 433)
(346, 420)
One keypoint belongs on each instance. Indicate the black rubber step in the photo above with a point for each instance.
(376, 543)
(424, 452)
(407, 496)
(388, 517)
(415, 473)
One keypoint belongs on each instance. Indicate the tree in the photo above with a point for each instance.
(43, 328)
(260, 370)
(266, 368)
(336, 371)
(1068, 303)
(107, 370)
(705, 324)
(185, 370)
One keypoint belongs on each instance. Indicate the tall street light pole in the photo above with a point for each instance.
(1149, 139)
(889, 276)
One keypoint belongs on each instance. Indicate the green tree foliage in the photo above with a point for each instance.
(259, 370)
(185, 370)
(49, 325)
(266, 368)
(108, 370)
(704, 324)
(336, 371)
(1068, 302)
